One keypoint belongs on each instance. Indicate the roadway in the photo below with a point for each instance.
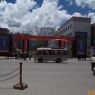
(68, 78)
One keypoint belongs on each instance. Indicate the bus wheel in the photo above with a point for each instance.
(40, 60)
(58, 60)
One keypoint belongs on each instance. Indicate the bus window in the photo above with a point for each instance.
(45, 52)
(64, 52)
(59, 52)
(38, 53)
(51, 52)
(56, 52)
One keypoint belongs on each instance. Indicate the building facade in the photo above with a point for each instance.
(6, 42)
(79, 28)
(41, 31)
(44, 31)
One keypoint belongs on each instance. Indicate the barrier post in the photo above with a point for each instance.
(20, 85)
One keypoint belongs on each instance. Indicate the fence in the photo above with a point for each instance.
(20, 85)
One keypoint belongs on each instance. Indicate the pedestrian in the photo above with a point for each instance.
(83, 57)
(79, 57)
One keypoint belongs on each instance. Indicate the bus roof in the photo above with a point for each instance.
(44, 48)
(51, 49)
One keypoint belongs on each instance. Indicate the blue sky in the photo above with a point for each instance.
(66, 5)
(74, 8)
(24, 15)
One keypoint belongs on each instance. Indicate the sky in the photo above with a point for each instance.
(25, 15)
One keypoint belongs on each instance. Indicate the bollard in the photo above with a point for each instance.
(20, 85)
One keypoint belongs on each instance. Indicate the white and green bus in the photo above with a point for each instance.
(49, 54)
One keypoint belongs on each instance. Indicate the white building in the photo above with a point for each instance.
(79, 28)
(44, 31)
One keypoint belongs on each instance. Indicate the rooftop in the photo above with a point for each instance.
(80, 19)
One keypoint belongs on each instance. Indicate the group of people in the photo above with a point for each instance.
(23, 56)
(81, 57)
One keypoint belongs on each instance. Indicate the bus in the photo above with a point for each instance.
(49, 54)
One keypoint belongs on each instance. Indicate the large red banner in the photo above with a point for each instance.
(32, 37)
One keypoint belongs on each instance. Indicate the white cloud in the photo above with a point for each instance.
(24, 16)
(92, 16)
(89, 3)
(18, 16)
(77, 14)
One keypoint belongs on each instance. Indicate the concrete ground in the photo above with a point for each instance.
(68, 78)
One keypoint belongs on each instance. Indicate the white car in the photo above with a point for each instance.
(93, 59)
(93, 62)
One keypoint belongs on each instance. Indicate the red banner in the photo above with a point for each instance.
(32, 37)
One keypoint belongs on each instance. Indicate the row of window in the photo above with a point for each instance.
(46, 33)
(67, 28)
(51, 52)
(69, 34)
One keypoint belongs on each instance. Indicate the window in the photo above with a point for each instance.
(66, 28)
(52, 52)
(38, 53)
(64, 52)
(70, 34)
(70, 26)
(45, 52)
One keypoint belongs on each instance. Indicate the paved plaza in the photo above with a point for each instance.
(68, 78)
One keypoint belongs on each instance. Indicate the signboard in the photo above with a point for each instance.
(81, 42)
(81, 35)
(4, 42)
(81, 46)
